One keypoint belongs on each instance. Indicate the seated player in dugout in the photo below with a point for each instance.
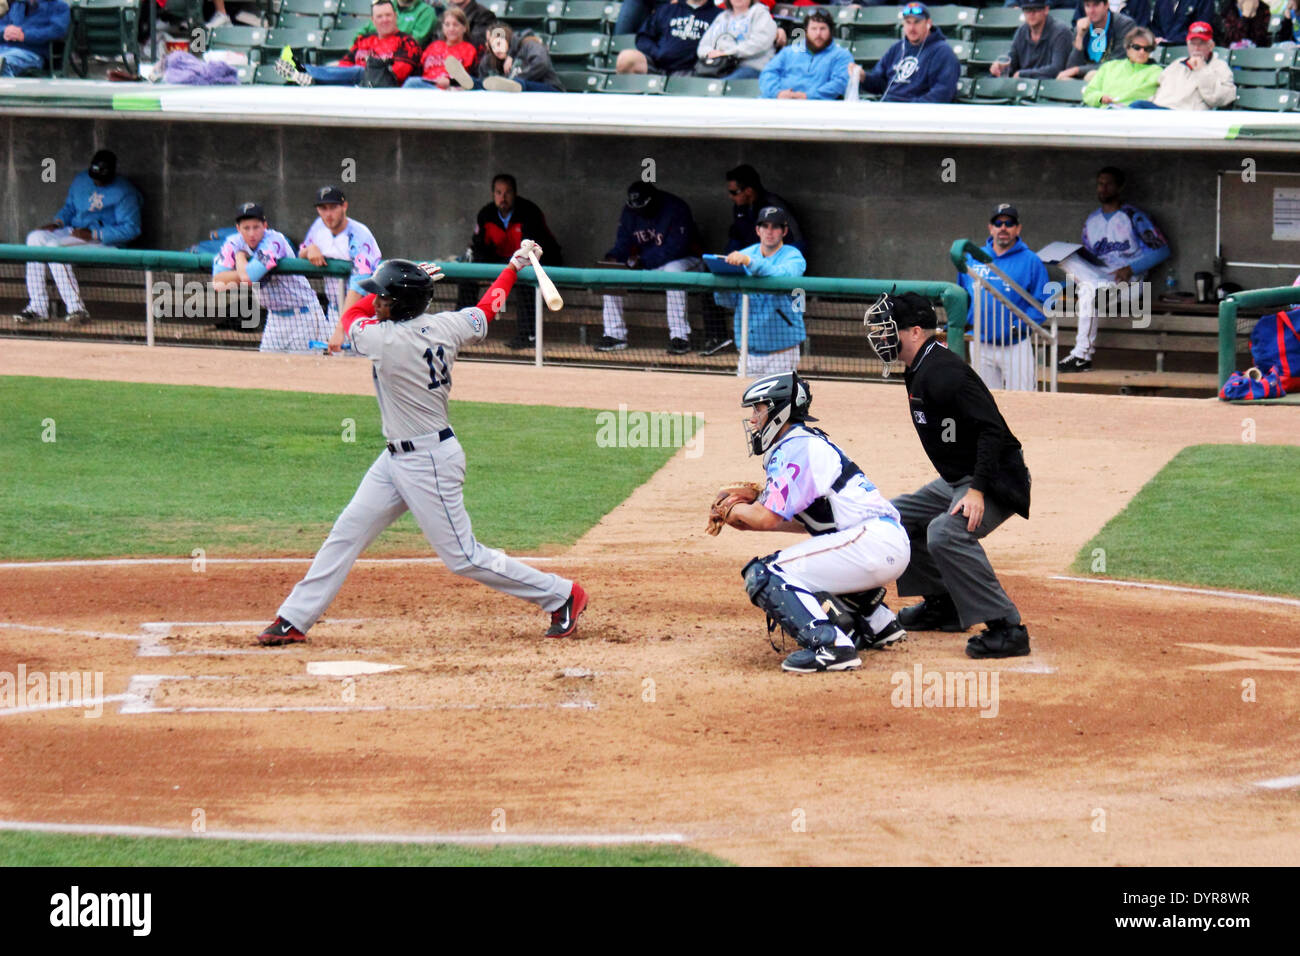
(828, 592)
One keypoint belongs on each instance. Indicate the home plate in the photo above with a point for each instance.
(348, 668)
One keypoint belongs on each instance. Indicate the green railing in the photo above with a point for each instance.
(1280, 296)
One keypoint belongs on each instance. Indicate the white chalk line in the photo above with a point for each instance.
(45, 629)
(137, 562)
(95, 703)
(1205, 592)
(460, 839)
(1279, 783)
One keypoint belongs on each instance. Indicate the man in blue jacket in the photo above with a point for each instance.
(1004, 354)
(776, 326)
(656, 231)
(920, 68)
(102, 209)
(26, 29)
(813, 68)
(667, 43)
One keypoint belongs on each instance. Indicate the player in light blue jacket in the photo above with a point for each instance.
(102, 209)
(775, 321)
(813, 68)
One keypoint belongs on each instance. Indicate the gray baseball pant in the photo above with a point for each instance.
(948, 559)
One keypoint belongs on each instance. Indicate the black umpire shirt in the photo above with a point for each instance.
(961, 428)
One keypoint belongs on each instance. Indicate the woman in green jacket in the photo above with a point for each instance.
(1121, 82)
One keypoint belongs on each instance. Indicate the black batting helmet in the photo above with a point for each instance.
(401, 280)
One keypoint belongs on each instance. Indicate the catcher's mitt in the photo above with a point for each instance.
(727, 497)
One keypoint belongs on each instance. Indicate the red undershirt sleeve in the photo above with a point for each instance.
(363, 308)
(493, 302)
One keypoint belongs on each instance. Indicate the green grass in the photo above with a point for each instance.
(1223, 516)
(57, 849)
(162, 470)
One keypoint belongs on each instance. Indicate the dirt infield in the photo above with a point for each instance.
(1124, 738)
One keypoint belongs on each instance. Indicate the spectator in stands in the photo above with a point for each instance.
(655, 231)
(386, 57)
(744, 33)
(1098, 36)
(294, 318)
(516, 63)
(480, 20)
(813, 68)
(1127, 244)
(1040, 48)
(1169, 20)
(102, 209)
(1121, 82)
(920, 68)
(634, 15)
(1245, 23)
(1290, 28)
(1199, 81)
(776, 328)
(415, 18)
(666, 44)
(501, 225)
(437, 69)
(1005, 355)
(26, 29)
(336, 236)
(221, 16)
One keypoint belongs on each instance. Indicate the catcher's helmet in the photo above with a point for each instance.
(787, 397)
(401, 280)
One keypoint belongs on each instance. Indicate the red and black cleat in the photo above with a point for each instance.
(281, 632)
(564, 621)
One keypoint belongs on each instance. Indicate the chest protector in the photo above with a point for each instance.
(819, 517)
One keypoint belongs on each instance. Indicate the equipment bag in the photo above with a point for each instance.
(378, 75)
(1252, 384)
(1274, 342)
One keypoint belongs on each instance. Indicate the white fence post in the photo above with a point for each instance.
(744, 336)
(148, 307)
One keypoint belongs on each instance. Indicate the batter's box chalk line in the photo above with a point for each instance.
(1202, 592)
(140, 562)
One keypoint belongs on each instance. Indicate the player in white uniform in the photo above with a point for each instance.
(334, 235)
(827, 593)
(423, 469)
(294, 317)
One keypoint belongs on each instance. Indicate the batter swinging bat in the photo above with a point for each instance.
(551, 294)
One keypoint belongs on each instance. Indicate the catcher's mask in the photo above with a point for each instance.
(787, 398)
(888, 315)
(408, 286)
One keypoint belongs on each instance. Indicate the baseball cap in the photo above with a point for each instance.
(103, 165)
(330, 194)
(1032, 4)
(773, 214)
(250, 210)
(913, 309)
(915, 10)
(1005, 209)
(1200, 30)
(640, 195)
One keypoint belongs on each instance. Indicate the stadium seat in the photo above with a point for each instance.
(102, 28)
(874, 22)
(1002, 90)
(869, 51)
(307, 14)
(694, 86)
(585, 15)
(572, 49)
(246, 40)
(349, 25)
(1170, 53)
(334, 46)
(498, 7)
(987, 51)
(353, 8)
(1264, 79)
(743, 88)
(998, 22)
(265, 75)
(535, 15)
(579, 81)
(956, 22)
(303, 43)
(1262, 58)
(1060, 93)
(962, 50)
(617, 44)
(1276, 101)
(632, 83)
(965, 86)
(1063, 14)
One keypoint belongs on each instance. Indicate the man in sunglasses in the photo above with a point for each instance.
(1098, 36)
(1199, 81)
(920, 68)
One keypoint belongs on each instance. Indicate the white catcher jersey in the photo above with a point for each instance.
(412, 363)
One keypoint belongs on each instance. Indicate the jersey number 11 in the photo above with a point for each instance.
(438, 375)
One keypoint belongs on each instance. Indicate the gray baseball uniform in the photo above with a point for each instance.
(423, 469)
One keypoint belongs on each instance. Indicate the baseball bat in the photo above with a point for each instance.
(551, 294)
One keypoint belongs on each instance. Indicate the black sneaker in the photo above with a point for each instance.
(1000, 641)
(30, 315)
(678, 346)
(522, 342)
(810, 660)
(717, 346)
(891, 633)
(1072, 363)
(935, 613)
(78, 317)
(610, 344)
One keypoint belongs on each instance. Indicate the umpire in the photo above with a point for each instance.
(982, 481)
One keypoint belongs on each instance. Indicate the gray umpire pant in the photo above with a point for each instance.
(948, 559)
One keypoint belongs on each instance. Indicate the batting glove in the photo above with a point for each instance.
(433, 269)
(520, 259)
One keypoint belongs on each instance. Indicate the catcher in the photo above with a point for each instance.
(827, 593)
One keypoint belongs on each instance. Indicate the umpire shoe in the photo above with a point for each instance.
(891, 633)
(810, 660)
(608, 343)
(936, 612)
(281, 632)
(999, 640)
(1072, 363)
(564, 621)
(30, 315)
(678, 346)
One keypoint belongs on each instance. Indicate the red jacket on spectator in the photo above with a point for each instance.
(398, 47)
(436, 53)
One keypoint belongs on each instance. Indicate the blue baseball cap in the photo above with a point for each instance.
(916, 10)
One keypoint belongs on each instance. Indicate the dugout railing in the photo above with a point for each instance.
(1234, 329)
(160, 297)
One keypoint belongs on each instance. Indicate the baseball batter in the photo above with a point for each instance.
(294, 318)
(423, 469)
(826, 593)
(335, 235)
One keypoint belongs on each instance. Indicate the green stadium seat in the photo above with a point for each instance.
(579, 81)
(334, 46)
(498, 7)
(747, 89)
(577, 48)
(694, 86)
(870, 50)
(956, 22)
(265, 75)
(987, 51)
(873, 21)
(302, 42)
(246, 40)
(1276, 101)
(1002, 90)
(617, 44)
(962, 50)
(1060, 93)
(582, 15)
(307, 14)
(107, 28)
(536, 15)
(632, 83)
(1265, 79)
(998, 22)
(353, 8)
(965, 87)
(1262, 58)
(1063, 14)
(349, 25)
(1170, 53)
